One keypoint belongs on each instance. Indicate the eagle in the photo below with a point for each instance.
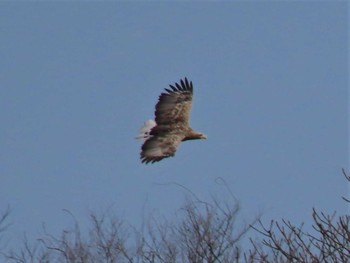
(163, 135)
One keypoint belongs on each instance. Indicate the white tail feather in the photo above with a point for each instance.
(145, 130)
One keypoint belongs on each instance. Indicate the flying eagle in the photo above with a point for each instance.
(163, 135)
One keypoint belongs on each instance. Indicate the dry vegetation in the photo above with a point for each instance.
(201, 233)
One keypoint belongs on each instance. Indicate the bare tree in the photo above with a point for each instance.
(106, 242)
(3, 224)
(200, 232)
(28, 254)
(206, 232)
(286, 242)
(3, 218)
(210, 236)
(31, 252)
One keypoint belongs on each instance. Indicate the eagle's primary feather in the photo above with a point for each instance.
(171, 125)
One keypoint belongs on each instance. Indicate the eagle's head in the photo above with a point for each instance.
(203, 136)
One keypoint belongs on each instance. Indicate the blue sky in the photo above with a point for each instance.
(79, 79)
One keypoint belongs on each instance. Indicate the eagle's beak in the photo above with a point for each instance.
(204, 136)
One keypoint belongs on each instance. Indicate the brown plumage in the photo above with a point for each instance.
(171, 126)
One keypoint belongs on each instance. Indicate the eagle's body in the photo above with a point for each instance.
(171, 125)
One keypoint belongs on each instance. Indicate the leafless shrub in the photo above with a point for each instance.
(286, 242)
(210, 235)
(106, 242)
(205, 232)
(29, 253)
(347, 177)
(3, 218)
(3, 225)
(201, 232)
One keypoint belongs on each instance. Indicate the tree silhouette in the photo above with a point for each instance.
(201, 232)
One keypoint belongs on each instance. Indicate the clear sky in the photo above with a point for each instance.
(78, 79)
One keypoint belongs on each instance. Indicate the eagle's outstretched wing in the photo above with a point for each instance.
(174, 106)
(157, 148)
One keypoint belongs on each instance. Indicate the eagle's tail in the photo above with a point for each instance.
(145, 130)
